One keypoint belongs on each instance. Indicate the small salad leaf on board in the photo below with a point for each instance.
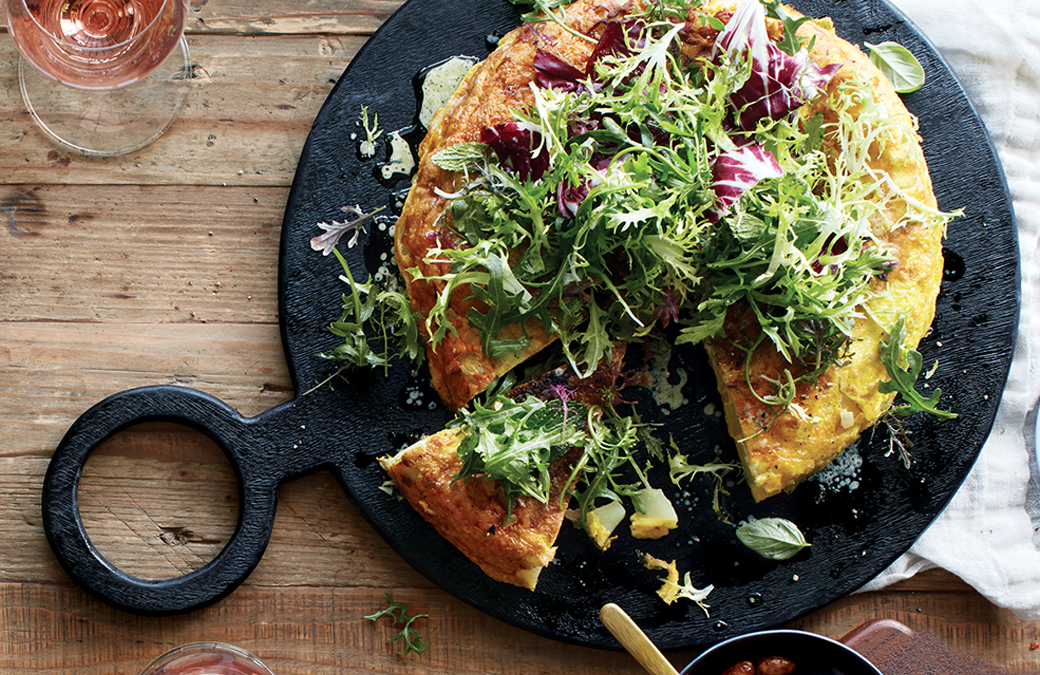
(772, 538)
(893, 356)
(901, 67)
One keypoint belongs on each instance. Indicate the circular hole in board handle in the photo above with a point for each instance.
(258, 472)
(158, 499)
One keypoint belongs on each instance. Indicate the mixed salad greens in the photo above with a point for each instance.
(653, 187)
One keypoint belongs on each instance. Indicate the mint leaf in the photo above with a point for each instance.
(460, 156)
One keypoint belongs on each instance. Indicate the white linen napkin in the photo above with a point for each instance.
(988, 534)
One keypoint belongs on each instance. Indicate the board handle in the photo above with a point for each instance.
(257, 489)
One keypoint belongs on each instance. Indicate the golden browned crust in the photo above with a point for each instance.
(471, 514)
(779, 452)
(491, 90)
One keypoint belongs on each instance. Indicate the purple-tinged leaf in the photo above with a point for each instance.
(569, 197)
(335, 230)
(516, 145)
(779, 83)
(552, 72)
(613, 42)
(737, 171)
(832, 247)
(668, 309)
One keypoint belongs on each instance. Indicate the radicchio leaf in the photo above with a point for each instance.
(737, 171)
(832, 247)
(779, 83)
(515, 144)
(552, 72)
(569, 197)
(612, 42)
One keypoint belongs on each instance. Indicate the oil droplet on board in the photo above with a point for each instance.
(401, 160)
(953, 265)
(667, 395)
(438, 83)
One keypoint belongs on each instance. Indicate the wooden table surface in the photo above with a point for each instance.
(160, 267)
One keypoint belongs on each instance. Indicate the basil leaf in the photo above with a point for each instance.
(772, 538)
(901, 67)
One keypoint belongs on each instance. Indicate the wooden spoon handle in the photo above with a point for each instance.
(635, 641)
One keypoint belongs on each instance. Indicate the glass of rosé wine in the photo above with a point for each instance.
(103, 77)
(207, 658)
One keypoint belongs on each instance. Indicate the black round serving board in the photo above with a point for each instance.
(858, 520)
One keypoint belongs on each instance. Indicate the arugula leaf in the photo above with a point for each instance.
(899, 65)
(772, 538)
(514, 442)
(893, 356)
(398, 614)
(541, 10)
(813, 132)
(384, 311)
(790, 42)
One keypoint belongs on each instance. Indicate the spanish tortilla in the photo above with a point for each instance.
(855, 533)
(779, 447)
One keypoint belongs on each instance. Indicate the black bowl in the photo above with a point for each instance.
(813, 654)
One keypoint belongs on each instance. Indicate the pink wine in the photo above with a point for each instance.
(96, 44)
(210, 664)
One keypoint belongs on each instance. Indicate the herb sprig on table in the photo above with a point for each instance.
(398, 614)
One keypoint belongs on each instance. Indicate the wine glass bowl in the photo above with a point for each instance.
(96, 74)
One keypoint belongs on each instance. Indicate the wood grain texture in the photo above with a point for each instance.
(161, 267)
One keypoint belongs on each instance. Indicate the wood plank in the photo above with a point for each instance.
(153, 253)
(277, 17)
(244, 122)
(300, 630)
(350, 17)
(322, 630)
